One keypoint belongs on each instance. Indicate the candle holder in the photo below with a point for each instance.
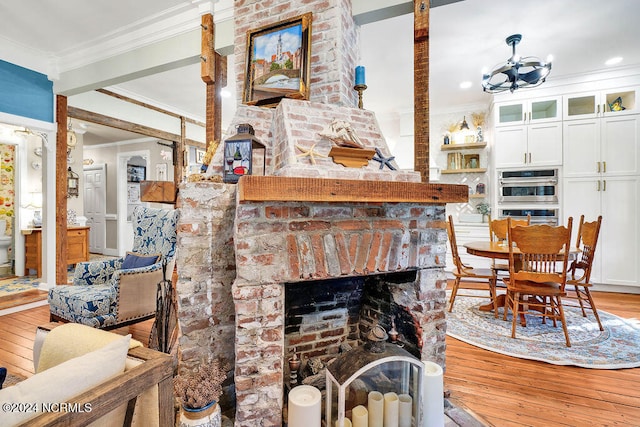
(360, 89)
(294, 365)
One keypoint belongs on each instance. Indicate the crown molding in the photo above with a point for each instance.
(153, 29)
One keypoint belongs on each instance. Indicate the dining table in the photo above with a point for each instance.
(499, 250)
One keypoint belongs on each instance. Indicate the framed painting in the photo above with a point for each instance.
(278, 62)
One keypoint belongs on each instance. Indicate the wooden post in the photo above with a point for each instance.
(421, 87)
(61, 190)
(213, 72)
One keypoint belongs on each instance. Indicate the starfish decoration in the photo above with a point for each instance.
(383, 160)
(311, 153)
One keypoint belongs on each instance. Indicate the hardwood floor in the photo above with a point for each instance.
(500, 390)
(507, 391)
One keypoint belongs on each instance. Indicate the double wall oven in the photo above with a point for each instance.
(529, 192)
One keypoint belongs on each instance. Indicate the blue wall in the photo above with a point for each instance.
(25, 93)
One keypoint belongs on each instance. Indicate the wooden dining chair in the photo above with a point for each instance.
(580, 269)
(498, 233)
(465, 275)
(536, 283)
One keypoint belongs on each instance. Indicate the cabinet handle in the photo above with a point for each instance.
(598, 167)
(529, 116)
(525, 157)
(604, 167)
(529, 157)
(598, 110)
(604, 185)
(598, 185)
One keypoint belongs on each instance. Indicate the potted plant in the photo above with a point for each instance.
(484, 209)
(198, 391)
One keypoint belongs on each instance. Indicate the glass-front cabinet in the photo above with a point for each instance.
(601, 103)
(528, 111)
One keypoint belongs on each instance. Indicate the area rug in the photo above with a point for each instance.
(617, 347)
(16, 285)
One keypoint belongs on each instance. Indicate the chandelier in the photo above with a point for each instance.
(517, 72)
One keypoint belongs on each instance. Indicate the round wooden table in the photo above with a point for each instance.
(498, 250)
(488, 249)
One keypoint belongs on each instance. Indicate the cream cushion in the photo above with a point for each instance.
(72, 340)
(66, 380)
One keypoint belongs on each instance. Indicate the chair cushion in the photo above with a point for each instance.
(134, 260)
(84, 301)
(72, 340)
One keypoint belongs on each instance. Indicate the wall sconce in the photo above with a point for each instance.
(244, 154)
(72, 183)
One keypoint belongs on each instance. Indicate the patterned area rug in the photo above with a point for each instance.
(13, 286)
(617, 347)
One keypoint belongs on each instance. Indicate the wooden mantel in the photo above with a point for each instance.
(291, 189)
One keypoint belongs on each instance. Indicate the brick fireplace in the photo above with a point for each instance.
(239, 249)
(370, 235)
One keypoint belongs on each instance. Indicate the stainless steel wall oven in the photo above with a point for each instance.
(529, 186)
(532, 192)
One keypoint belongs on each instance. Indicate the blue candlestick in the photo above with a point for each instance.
(360, 75)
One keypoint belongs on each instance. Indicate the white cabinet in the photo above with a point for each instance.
(607, 146)
(530, 111)
(617, 199)
(601, 103)
(536, 144)
(466, 233)
(602, 177)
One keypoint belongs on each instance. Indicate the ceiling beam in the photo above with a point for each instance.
(368, 11)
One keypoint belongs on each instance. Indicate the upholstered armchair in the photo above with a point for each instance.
(116, 292)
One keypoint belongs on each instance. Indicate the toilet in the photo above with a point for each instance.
(5, 242)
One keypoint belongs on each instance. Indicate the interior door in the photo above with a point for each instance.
(95, 206)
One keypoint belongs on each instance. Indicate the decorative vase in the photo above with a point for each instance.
(207, 416)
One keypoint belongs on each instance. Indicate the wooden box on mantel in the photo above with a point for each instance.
(158, 191)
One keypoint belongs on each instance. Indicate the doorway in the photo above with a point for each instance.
(95, 206)
(129, 193)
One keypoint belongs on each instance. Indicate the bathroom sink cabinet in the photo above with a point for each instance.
(77, 247)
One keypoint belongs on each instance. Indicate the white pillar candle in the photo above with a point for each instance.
(391, 405)
(375, 405)
(405, 410)
(304, 406)
(347, 423)
(433, 396)
(360, 416)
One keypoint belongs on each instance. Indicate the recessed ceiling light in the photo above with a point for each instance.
(465, 85)
(613, 61)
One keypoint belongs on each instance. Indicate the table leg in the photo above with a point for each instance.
(500, 300)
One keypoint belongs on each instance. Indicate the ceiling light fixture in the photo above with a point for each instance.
(613, 61)
(517, 72)
(466, 85)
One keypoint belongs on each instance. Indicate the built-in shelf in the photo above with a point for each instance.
(476, 170)
(449, 147)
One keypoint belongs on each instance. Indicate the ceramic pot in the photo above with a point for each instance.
(207, 416)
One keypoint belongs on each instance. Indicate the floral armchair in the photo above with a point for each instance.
(112, 293)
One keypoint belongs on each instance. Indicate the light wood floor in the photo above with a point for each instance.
(506, 391)
(500, 390)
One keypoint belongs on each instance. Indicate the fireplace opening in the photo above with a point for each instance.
(324, 318)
